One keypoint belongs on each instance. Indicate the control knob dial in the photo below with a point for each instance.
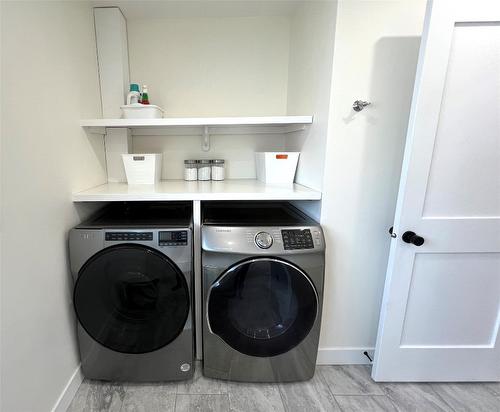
(263, 240)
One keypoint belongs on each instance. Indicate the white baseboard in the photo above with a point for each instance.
(343, 356)
(69, 391)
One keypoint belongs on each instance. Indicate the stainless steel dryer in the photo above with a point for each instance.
(263, 270)
(132, 268)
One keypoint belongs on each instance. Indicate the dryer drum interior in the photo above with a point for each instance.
(262, 307)
(131, 299)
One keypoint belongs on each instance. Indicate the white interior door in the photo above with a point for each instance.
(441, 308)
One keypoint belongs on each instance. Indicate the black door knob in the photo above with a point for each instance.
(391, 232)
(412, 237)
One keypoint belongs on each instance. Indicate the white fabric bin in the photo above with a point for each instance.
(142, 169)
(276, 167)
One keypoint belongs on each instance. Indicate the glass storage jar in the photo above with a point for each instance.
(204, 169)
(218, 169)
(190, 170)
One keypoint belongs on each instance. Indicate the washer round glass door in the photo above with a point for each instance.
(131, 299)
(262, 307)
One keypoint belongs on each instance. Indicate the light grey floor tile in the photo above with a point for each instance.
(164, 387)
(311, 396)
(149, 398)
(493, 387)
(254, 397)
(202, 403)
(358, 403)
(473, 397)
(350, 380)
(80, 399)
(98, 397)
(415, 397)
(202, 385)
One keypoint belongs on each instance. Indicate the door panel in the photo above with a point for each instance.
(453, 300)
(469, 128)
(440, 312)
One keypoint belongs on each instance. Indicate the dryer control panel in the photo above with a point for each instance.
(297, 239)
(263, 240)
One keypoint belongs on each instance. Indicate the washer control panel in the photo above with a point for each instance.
(173, 238)
(294, 239)
(128, 236)
(263, 240)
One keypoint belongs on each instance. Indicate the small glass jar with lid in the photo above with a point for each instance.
(218, 169)
(190, 170)
(204, 169)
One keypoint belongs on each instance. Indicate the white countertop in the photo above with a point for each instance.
(236, 189)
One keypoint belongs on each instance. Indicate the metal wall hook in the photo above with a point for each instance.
(359, 105)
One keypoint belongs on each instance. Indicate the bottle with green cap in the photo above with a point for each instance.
(134, 94)
(144, 96)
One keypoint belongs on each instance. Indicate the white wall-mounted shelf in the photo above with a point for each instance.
(237, 189)
(217, 125)
(203, 126)
(200, 121)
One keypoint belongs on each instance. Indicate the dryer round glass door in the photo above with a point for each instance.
(262, 307)
(131, 299)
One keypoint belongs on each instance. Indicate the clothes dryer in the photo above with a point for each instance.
(263, 270)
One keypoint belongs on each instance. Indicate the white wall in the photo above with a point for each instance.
(49, 81)
(376, 45)
(312, 36)
(112, 56)
(216, 66)
(237, 150)
(227, 66)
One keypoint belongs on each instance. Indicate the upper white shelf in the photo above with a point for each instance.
(200, 121)
(204, 126)
(244, 189)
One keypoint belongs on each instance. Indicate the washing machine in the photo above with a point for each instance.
(263, 270)
(132, 269)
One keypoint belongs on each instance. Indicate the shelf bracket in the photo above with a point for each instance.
(95, 130)
(294, 128)
(205, 144)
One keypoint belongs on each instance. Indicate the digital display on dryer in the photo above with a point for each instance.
(173, 238)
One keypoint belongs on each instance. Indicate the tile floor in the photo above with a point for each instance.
(333, 388)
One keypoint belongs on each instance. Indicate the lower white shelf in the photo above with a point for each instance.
(236, 189)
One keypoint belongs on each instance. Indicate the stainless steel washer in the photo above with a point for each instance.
(132, 268)
(263, 271)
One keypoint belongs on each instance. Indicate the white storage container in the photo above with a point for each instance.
(276, 167)
(142, 111)
(142, 169)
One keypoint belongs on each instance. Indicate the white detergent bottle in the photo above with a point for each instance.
(134, 95)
